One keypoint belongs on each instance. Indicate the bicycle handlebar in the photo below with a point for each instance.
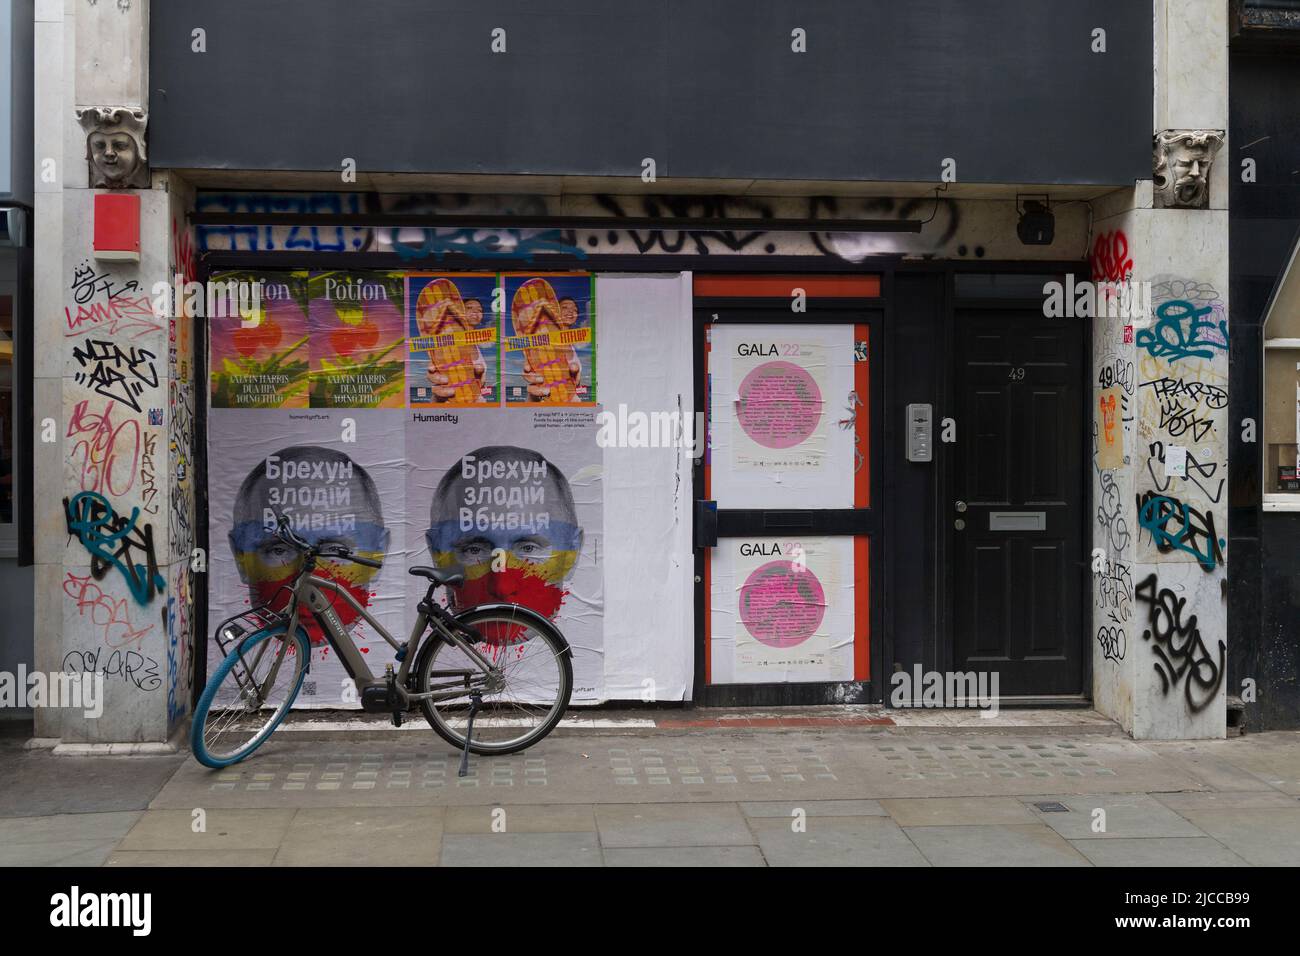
(285, 532)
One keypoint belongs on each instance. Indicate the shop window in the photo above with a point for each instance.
(1281, 411)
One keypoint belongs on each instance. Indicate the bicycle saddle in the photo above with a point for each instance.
(442, 576)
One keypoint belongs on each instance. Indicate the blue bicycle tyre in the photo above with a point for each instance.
(203, 748)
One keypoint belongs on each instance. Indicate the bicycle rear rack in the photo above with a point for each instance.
(233, 630)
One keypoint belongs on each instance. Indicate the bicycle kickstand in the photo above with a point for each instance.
(475, 702)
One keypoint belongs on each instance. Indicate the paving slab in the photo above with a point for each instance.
(672, 824)
(362, 836)
(67, 826)
(521, 849)
(57, 853)
(548, 818)
(1126, 815)
(1158, 851)
(36, 781)
(201, 858)
(836, 841)
(1261, 837)
(1212, 768)
(957, 811)
(1015, 845)
(1273, 758)
(225, 830)
(814, 808)
(1231, 800)
(688, 856)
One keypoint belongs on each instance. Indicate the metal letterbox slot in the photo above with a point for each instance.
(1017, 520)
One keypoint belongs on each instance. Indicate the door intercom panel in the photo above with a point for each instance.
(920, 432)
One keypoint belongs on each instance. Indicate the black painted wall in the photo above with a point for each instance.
(1263, 548)
(886, 90)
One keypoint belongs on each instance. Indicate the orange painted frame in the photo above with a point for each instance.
(850, 287)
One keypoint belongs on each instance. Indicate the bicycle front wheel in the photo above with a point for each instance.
(523, 697)
(248, 696)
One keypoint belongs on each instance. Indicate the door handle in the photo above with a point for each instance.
(706, 524)
(960, 506)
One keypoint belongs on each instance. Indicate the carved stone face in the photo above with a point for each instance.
(115, 150)
(1182, 167)
(113, 156)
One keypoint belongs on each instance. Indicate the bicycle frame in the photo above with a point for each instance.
(314, 593)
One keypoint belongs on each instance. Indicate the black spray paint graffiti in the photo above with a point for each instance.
(1110, 513)
(86, 282)
(1119, 372)
(682, 207)
(1178, 646)
(1195, 472)
(131, 667)
(113, 541)
(1171, 389)
(1175, 526)
(1114, 598)
(1113, 642)
(116, 373)
(946, 215)
(1178, 420)
(1115, 592)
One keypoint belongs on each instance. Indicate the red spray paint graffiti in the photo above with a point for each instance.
(1110, 260)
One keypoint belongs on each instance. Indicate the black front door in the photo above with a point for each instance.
(1017, 496)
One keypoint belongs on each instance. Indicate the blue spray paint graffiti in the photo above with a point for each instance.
(1181, 332)
(175, 709)
(112, 541)
(478, 244)
(262, 238)
(1192, 531)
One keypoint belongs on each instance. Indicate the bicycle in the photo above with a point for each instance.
(491, 679)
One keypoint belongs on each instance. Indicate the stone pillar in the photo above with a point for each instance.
(1160, 404)
(113, 492)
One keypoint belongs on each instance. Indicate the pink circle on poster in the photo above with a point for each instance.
(780, 605)
(780, 405)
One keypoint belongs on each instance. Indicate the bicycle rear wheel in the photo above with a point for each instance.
(248, 696)
(521, 703)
